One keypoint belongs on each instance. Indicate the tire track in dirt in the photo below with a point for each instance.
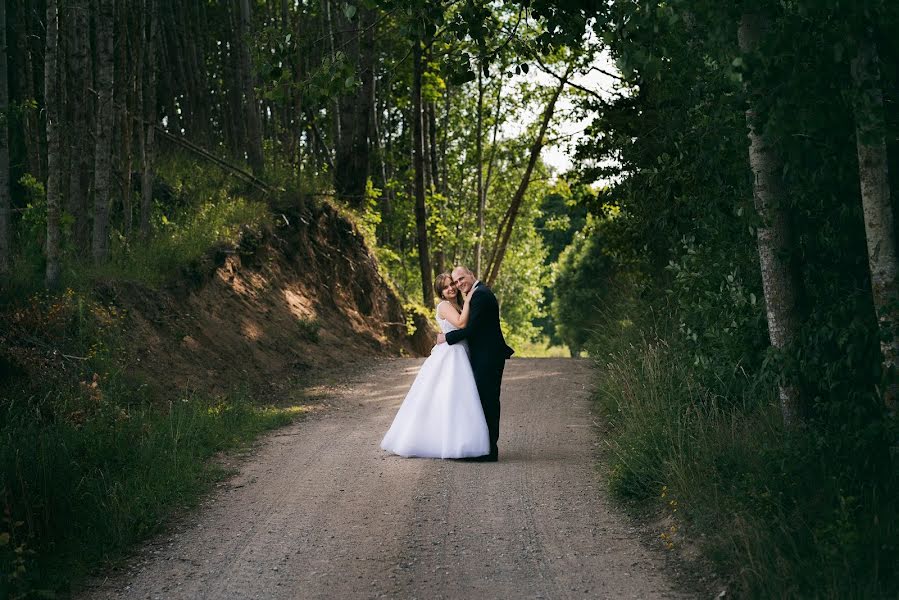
(320, 511)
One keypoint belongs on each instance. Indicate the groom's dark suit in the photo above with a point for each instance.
(488, 354)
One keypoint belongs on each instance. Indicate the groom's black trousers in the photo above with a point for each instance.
(488, 379)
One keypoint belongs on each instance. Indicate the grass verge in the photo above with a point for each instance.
(84, 476)
(90, 460)
(780, 514)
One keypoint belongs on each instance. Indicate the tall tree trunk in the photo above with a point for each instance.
(444, 142)
(51, 107)
(34, 134)
(148, 105)
(104, 119)
(505, 230)
(421, 219)
(432, 142)
(496, 122)
(439, 251)
(351, 162)
(426, 141)
(125, 79)
(5, 230)
(329, 25)
(251, 106)
(875, 189)
(232, 77)
(174, 122)
(479, 173)
(80, 147)
(773, 236)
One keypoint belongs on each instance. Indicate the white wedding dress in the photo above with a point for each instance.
(441, 416)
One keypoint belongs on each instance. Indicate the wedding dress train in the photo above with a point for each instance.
(441, 416)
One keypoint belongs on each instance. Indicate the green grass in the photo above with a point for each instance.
(84, 476)
(540, 349)
(178, 244)
(90, 466)
(780, 514)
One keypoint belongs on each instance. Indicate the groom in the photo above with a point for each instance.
(488, 349)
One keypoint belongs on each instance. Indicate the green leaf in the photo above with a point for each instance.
(462, 77)
(349, 10)
(838, 52)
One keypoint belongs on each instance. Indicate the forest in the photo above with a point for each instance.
(722, 248)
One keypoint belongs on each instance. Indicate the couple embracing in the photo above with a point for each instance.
(452, 408)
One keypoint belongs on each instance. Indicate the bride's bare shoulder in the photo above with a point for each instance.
(442, 309)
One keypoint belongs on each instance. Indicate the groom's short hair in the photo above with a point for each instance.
(464, 268)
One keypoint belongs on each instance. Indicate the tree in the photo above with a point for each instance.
(479, 171)
(51, 105)
(874, 180)
(105, 11)
(421, 218)
(351, 161)
(5, 245)
(80, 147)
(251, 105)
(146, 131)
(773, 234)
(505, 229)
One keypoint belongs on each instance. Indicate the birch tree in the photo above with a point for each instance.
(878, 211)
(773, 234)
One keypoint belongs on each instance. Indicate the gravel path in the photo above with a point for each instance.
(320, 511)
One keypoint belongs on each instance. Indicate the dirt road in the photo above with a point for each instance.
(321, 511)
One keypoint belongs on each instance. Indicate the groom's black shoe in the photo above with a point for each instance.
(484, 458)
(492, 457)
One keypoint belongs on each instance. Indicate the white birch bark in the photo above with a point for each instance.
(773, 235)
(873, 172)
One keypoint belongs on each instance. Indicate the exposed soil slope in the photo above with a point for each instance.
(304, 294)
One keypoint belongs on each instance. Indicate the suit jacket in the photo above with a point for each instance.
(485, 338)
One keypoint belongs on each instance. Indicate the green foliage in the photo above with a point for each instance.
(689, 382)
(85, 490)
(88, 469)
(583, 280)
(180, 243)
(782, 514)
(308, 329)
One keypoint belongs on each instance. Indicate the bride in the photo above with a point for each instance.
(441, 416)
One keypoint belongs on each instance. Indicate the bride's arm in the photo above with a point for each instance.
(447, 311)
(466, 310)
